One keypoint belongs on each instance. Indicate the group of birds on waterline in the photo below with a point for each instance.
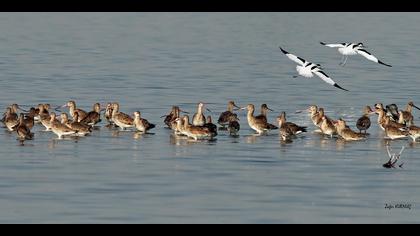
(397, 124)
(308, 69)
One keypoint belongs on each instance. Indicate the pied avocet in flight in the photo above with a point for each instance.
(308, 69)
(350, 49)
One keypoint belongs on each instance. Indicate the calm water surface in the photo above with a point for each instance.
(149, 62)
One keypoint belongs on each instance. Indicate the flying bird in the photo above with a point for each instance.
(308, 69)
(351, 49)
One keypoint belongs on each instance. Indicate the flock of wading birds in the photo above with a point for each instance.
(397, 124)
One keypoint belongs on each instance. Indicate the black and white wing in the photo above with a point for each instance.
(294, 58)
(370, 57)
(334, 45)
(327, 79)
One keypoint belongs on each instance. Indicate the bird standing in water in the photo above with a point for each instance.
(364, 123)
(23, 132)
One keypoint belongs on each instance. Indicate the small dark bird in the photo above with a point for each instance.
(263, 116)
(225, 116)
(171, 117)
(364, 122)
(288, 130)
(93, 117)
(212, 127)
(264, 112)
(23, 132)
(234, 126)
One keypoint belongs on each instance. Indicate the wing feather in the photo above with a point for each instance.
(327, 79)
(334, 45)
(294, 58)
(370, 57)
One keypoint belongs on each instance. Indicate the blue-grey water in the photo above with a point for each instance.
(151, 61)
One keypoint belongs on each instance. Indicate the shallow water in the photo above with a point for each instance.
(149, 62)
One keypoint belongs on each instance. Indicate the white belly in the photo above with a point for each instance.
(347, 51)
(122, 125)
(304, 71)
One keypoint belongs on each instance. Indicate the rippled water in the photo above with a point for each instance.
(149, 62)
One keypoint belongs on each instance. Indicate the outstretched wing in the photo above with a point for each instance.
(334, 45)
(327, 79)
(294, 58)
(370, 57)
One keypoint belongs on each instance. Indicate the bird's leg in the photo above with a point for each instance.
(389, 151)
(345, 61)
(342, 59)
(402, 149)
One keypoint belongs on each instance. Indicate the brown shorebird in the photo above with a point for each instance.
(259, 123)
(179, 130)
(234, 126)
(327, 126)
(29, 119)
(171, 117)
(23, 132)
(225, 117)
(81, 128)
(212, 127)
(122, 120)
(199, 119)
(346, 133)
(94, 117)
(108, 113)
(11, 111)
(45, 116)
(394, 130)
(294, 128)
(11, 119)
(141, 124)
(264, 112)
(196, 132)
(388, 122)
(59, 129)
(42, 111)
(414, 132)
(406, 117)
(380, 111)
(364, 123)
(316, 115)
(72, 108)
